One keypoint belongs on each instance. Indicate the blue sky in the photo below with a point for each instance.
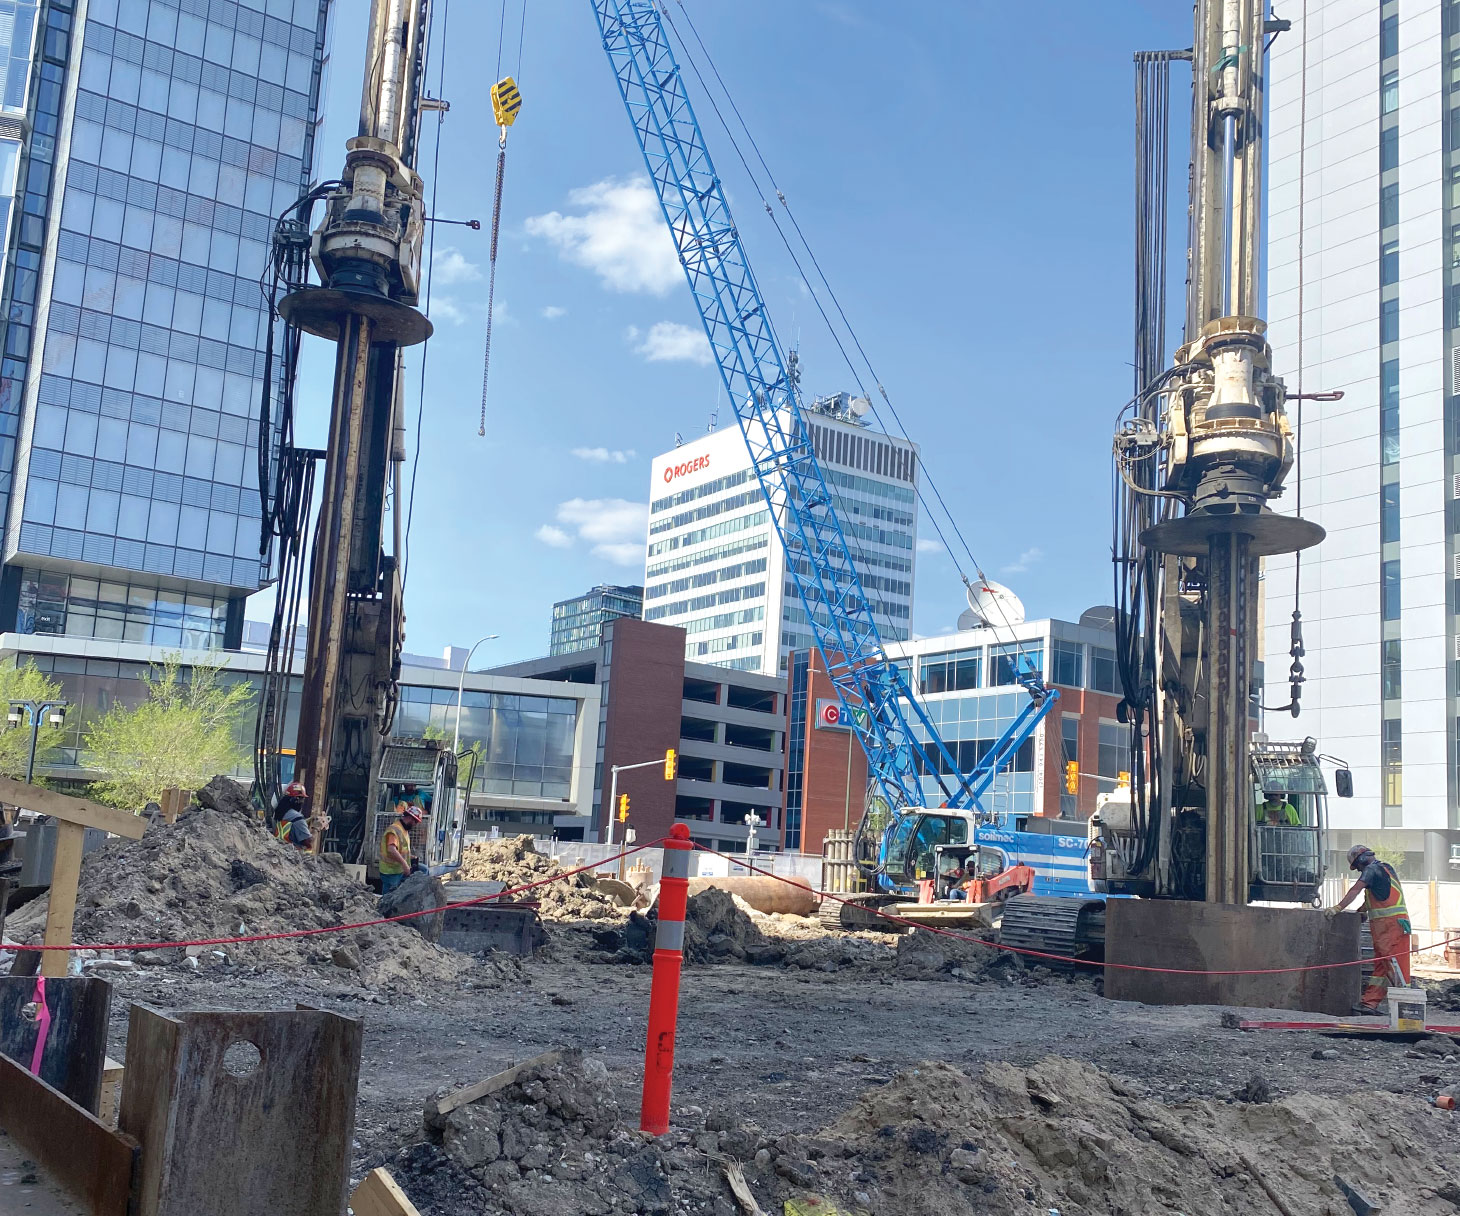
(964, 173)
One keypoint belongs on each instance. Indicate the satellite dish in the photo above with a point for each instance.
(995, 605)
(1102, 616)
(859, 406)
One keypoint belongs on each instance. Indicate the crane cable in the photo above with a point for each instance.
(836, 303)
(506, 103)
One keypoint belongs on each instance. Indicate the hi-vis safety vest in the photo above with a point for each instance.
(281, 831)
(1394, 905)
(402, 842)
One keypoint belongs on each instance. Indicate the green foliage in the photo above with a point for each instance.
(26, 683)
(184, 733)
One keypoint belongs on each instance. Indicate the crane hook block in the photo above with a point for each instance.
(506, 101)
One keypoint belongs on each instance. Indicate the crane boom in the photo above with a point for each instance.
(767, 406)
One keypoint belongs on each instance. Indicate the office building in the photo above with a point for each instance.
(1367, 199)
(535, 737)
(145, 146)
(715, 566)
(578, 623)
(727, 727)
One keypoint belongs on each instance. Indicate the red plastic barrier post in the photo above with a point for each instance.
(664, 988)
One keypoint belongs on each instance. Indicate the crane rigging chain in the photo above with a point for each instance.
(506, 103)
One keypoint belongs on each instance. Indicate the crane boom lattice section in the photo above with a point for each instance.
(767, 407)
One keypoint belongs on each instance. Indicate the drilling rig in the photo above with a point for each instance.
(1200, 454)
(366, 251)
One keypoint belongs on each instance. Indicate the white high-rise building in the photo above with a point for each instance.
(715, 566)
(1364, 253)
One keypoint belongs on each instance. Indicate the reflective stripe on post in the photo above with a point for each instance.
(664, 987)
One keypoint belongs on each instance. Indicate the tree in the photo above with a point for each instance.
(185, 732)
(26, 683)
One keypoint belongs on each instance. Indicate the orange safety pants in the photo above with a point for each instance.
(1391, 937)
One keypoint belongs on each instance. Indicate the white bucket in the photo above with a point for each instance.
(1406, 1009)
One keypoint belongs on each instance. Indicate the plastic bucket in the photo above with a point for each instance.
(1406, 1009)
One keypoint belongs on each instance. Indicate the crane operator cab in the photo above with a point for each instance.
(1289, 821)
(912, 845)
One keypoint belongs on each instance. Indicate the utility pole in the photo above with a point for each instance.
(367, 251)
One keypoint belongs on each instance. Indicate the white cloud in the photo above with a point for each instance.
(668, 341)
(450, 267)
(500, 314)
(552, 312)
(605, 455)
(612, 527)
(620, 236)
(926, 544)
(444, 308)
(554, 537)
(1022, 563)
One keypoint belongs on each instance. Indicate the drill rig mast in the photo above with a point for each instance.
(1205, 450)
(367, 253)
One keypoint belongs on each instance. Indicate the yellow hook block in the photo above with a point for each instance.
(506, 101)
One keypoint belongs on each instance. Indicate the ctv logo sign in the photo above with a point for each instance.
(831, 716)
(689, 466)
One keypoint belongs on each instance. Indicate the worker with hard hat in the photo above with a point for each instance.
(1388, 924)
(290, 826)
(395, 846)
(1275, 810)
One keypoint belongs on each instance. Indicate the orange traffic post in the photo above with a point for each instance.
(664, 987)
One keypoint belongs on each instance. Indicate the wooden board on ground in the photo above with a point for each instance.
(1308, 950)
(378, 1195)
(94, 1164)
(174, 803)
(438, 1108)
(71, 810)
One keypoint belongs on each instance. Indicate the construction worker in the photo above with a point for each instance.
(291, 827)
(395, 847)
(1275, 810)
(1388, 924)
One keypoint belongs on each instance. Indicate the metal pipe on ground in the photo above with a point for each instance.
(790, 895)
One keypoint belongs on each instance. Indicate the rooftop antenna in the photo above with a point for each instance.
(678, 440)
(714, 420)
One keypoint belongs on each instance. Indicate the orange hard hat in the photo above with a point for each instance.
(295, 789)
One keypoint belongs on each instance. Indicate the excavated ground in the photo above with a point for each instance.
(893, 1075)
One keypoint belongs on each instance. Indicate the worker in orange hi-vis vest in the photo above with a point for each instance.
(1388, 924)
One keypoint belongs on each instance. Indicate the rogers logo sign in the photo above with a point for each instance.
(689, 466)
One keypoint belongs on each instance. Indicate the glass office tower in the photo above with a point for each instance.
(145, 148)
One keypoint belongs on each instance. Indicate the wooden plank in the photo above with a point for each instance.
(378, 1195)
(111, 1092)
(94, 1164)
(174, 803)
(61, 910)
(438, 1108)
(71, 810)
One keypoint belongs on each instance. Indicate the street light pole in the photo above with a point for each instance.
(460, 685)
(34, 712)
(615, 770)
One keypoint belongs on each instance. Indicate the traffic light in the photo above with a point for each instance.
(671, 764)
(1072, 777)
(1122, 778)
(623, 807)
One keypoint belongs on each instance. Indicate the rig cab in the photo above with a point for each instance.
(430, 767)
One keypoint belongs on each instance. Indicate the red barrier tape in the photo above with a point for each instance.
(1059, 958)
(363, 924)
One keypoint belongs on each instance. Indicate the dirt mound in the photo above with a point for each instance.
(514, 862)
(553, 1141)
(218, 873)
(715, 927)
(1063, 1134)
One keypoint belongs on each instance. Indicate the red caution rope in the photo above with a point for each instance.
(1059, 958)
(362, 924)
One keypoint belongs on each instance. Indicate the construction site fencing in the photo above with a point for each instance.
(1434, 907)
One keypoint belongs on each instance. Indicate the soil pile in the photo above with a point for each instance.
(220, 873)
(514, 862)
(554, 1141)
(1063, 1134)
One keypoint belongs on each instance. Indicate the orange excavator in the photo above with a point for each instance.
(982, 873)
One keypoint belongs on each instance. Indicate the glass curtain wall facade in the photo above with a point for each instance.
(578, 623)
(167, 135)
(1363, 269)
